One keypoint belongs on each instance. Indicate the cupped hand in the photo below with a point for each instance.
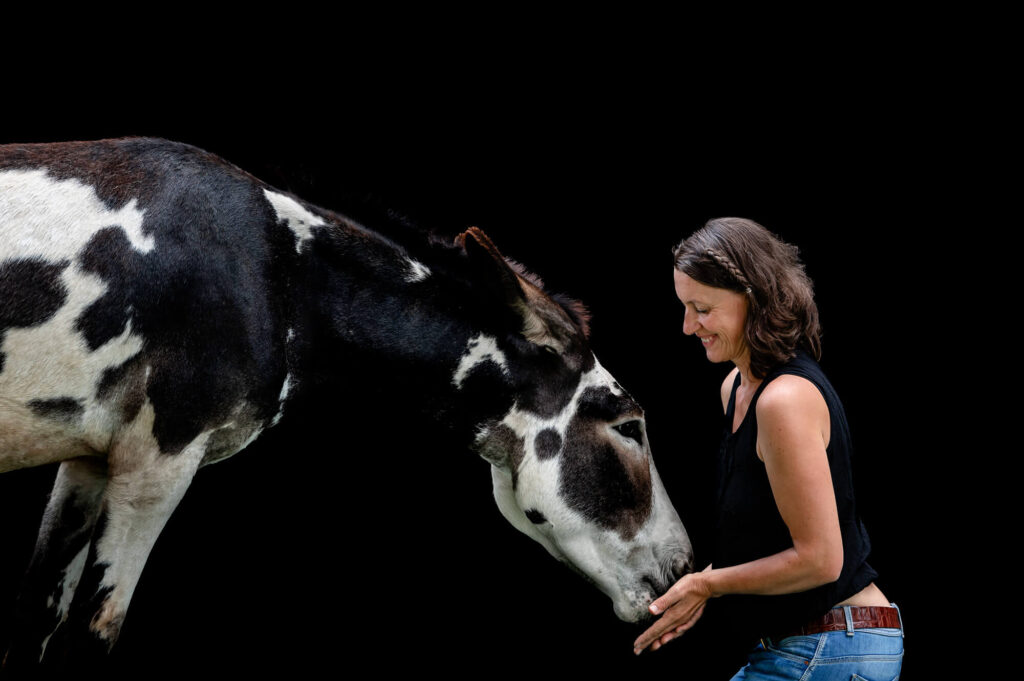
(680, 607)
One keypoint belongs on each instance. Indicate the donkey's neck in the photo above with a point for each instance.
(395, 317)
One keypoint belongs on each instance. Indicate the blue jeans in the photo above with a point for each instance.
(858, 655)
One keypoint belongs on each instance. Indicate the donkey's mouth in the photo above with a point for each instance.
(655, 587)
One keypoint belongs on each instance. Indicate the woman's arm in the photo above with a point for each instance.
(793, 431)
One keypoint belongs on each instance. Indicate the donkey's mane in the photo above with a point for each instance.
(439, 248)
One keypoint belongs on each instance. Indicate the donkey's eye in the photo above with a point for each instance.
(535, 516)
(631, 429)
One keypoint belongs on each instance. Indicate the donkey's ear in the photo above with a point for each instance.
(543, 321)
(486, 257)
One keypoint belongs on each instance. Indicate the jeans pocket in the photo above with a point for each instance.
(798, 648)
(858, 677)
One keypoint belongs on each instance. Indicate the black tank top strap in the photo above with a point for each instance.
(730, 409)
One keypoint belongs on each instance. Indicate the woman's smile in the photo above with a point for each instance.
(717, 317)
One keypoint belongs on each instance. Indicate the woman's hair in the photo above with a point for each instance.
(741, 255)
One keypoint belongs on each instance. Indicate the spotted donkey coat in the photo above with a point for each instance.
(160, 309)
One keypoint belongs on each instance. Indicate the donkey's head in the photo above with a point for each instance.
(571, 464)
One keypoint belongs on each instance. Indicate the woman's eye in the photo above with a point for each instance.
(631, 430)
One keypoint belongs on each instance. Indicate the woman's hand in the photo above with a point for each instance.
(682, 605)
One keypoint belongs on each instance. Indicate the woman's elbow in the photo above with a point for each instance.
(829, 566)
(824, 565)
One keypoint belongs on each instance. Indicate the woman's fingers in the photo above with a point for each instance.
(666, 629)
(656, 632)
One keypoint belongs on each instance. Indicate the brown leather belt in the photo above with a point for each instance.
(864, 617)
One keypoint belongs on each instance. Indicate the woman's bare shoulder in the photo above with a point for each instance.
(790, 396)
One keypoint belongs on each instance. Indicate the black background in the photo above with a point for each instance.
(355, 537)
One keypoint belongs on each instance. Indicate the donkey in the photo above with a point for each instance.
(161, 308)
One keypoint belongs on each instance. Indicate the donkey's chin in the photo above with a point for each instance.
(632, 606)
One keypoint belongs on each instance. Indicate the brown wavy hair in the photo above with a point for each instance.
(740, 255)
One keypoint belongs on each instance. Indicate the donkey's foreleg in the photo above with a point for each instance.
(58, 560)
(142, 491)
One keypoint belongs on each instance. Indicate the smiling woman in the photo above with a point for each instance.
(774, 310)
(789, 565)
(716, 316)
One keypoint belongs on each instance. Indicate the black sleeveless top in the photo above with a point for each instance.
(749, 526)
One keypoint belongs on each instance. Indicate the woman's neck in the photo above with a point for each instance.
(746, 377)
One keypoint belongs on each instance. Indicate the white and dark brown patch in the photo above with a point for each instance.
(606, 481)
(143, 489)
(31, 291)
(481, 348)
(59, 408)
(548, 443)
(47, 363)
(143, 267)
(295, 216)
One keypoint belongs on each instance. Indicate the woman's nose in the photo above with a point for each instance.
(689, 325)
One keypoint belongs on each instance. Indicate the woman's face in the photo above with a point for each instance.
(717, 317)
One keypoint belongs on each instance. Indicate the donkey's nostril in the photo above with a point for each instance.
(654, 588)
(682, 564)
